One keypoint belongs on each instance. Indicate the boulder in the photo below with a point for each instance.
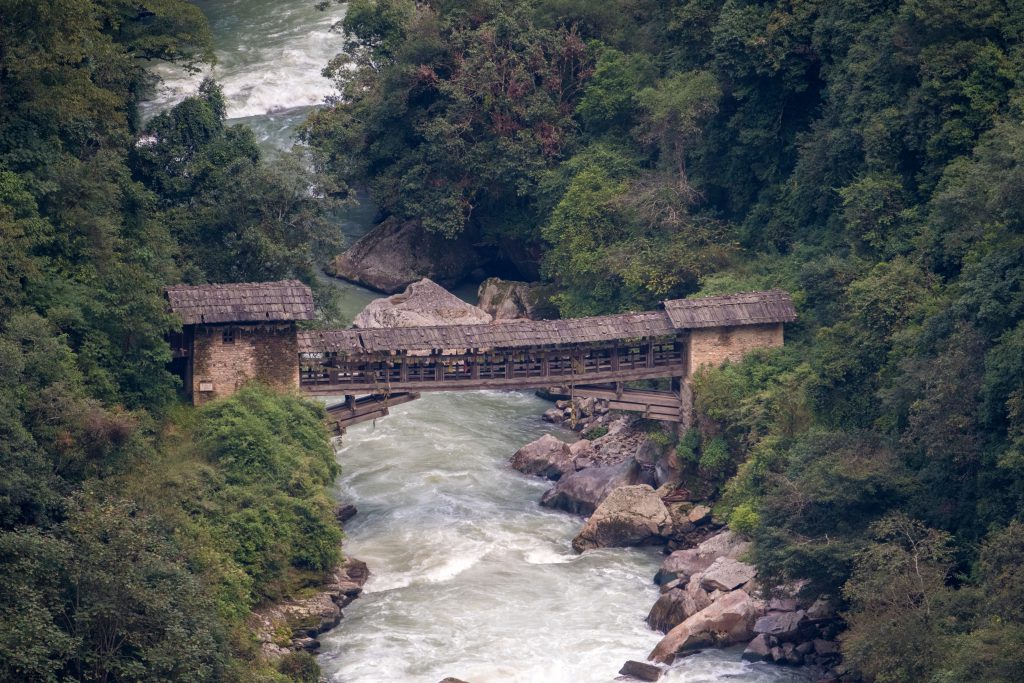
(641, 671)
(582, 453)
(758, 649)
(554, 415)
(306, 618)
(396, 253)
(683, 564)
(790, 655)
(658, 460)
(347, 580)
(344, 512)
(725, 574)
(691, 561)
(826, 648)
(784, 626)
(510, 300)
(699, 514)
(581, 492)
(782, 605)
(546, 457)
(725, 544)
(423, 303)
(628, 516)
(305, 643)
(726, 621)
(822, 608)
(675, 606)
(700, 597)
(682, 527)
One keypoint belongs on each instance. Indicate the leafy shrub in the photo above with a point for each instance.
(687, 448)
(595, 432)
(744, 518)
(273, 517)
(715, 460)
(300, 667)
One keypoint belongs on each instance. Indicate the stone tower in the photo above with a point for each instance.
(235, 333)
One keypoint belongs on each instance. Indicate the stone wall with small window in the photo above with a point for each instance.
(225, 357)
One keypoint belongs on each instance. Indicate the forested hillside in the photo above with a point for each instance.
(866, 155)
(136, 535)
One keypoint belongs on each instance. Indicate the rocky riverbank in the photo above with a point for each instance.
(623, 476)
(294, 624)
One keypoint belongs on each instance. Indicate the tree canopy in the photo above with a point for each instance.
(866, 156)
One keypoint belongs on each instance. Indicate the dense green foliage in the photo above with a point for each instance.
(865, 155)
(131, 546)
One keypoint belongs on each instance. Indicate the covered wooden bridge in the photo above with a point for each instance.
(593, 356)
(235, 333)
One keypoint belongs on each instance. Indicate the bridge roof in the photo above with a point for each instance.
(749, 308)
(508, 335)
(241, 302)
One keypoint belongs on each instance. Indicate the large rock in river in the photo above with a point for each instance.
(546, 457)
(423, 303)
(726, 621)
(676, 606)
(628, 516)
(396, 253)
(581, 492)
(509, 300)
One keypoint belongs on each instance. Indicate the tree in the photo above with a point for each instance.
(676, 110)
(896, 596)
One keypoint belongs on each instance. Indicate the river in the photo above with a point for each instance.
(470, 576)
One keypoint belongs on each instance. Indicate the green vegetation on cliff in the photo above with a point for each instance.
(135, 535)
(865, 155)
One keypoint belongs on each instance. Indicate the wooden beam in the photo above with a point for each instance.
(655, 398)
(348, 422)
(646, 408)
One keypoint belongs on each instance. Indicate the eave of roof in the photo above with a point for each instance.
(286, 300)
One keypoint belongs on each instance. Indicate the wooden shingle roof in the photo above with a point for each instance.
(345, 342)
(510, 335)
(750, 308)
(241, 302)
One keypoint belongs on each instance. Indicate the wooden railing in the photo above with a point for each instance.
(531, 367)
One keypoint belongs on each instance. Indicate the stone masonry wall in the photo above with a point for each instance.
(715, 345)
(266, 352)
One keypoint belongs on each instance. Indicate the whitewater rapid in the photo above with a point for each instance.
(270, 55)
(470, 577)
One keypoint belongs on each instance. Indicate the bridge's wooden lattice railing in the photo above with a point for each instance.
(327, 373)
